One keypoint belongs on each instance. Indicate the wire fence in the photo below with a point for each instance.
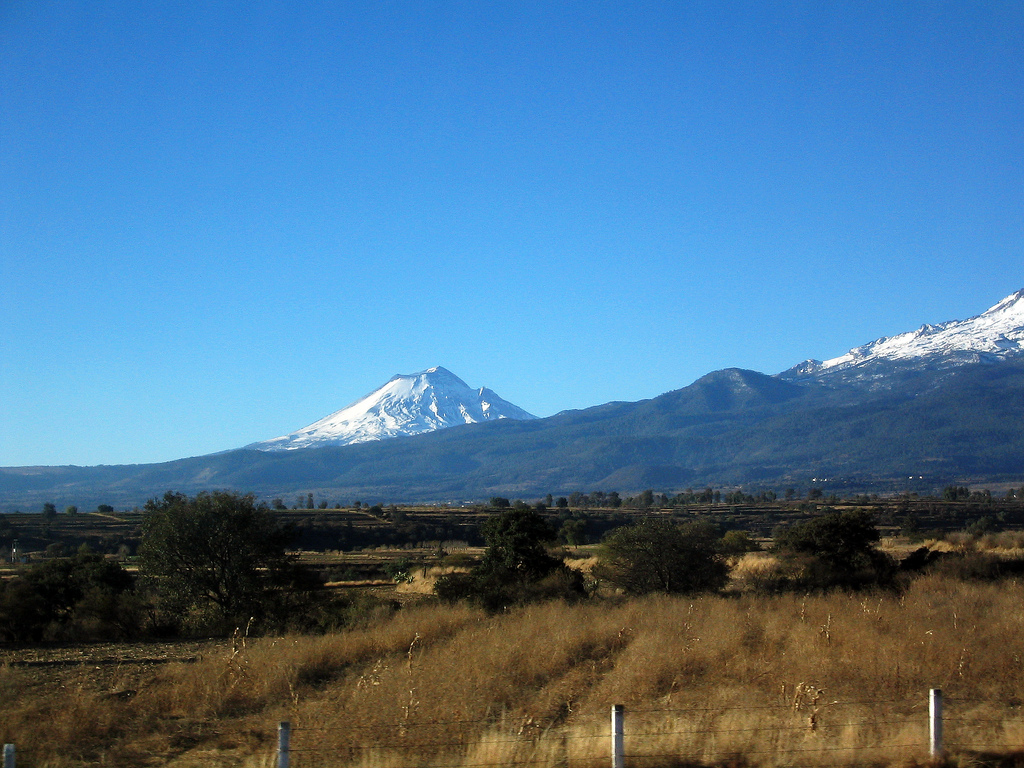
(806, 730)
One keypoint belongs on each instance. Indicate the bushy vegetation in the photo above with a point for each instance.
(658, 555)
(516, 567)
(84, 597)
(836, 550)
(207, 565)
(219, 561)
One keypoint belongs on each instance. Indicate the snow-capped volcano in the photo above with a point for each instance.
(994, 335)
(407, 405)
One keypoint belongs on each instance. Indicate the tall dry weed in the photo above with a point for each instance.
(782, 680)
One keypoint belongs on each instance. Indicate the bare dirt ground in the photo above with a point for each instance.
(115, 669)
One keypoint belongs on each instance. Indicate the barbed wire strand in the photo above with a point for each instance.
(575, 719)
(525, 741)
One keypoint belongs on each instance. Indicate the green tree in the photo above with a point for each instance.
(63, 582)
(573, 532)
(218, 553)
(84, 597)
(516, 567)
(515, 543)
(658, 555)
(837, 549)
(956, 493)
(24, 614)
(737, 543)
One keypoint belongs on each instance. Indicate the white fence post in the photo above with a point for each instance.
(935, 722)
(284, 734)
(618, 748)
(9, 756)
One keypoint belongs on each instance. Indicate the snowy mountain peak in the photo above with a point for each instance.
(996, 334)
(408, 404)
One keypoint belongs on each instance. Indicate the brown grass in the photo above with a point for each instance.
(772, 681)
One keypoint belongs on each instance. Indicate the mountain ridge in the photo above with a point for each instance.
(911, 422)
(992, 336)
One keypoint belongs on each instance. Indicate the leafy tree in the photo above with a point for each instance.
(573, 532)
(515, 543)
(736, 543)
(85, 597)
(63, 582)
(24, 614)
(658, 555)
(399, 571)
(516, 566)
(837, 549)
(71, 509)
(49, 510)
(956, 493)
(217, 553)
(500, 502)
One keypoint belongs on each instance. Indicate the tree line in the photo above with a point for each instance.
(219, 561)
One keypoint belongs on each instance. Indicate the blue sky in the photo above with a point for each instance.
(221, 221)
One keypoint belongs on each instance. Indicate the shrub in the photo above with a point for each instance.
(658, 555)
(836, 550)
(516, 567)
(85, 597)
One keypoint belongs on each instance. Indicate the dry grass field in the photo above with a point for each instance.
(742, 680)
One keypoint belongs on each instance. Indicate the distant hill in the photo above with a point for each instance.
(930, 416)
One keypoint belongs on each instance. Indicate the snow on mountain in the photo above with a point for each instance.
(994, 335)
(407, 405)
